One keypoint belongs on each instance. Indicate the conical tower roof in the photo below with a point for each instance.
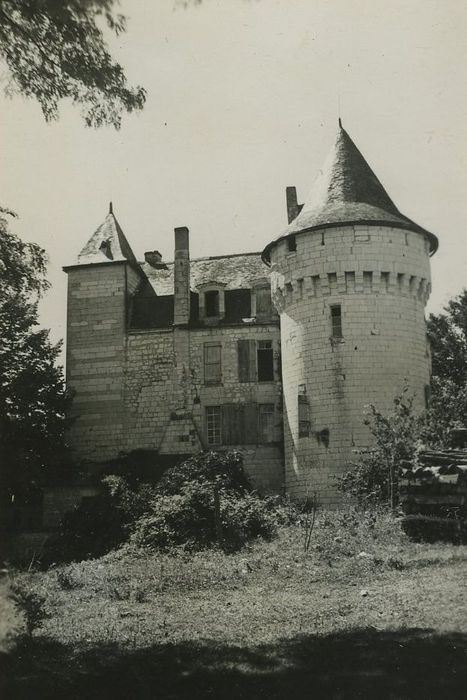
(347, 192)
(107, 244)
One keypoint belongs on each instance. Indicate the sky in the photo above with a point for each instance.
(243, 100)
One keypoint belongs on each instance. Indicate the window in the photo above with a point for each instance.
(213, 425)
(212, 363)
(255, 361)
(265, 361)
(266, 422)
(336, 321)
(291, 244)
(211, 303)
(232, 424)
(237, 304)
(304, 424)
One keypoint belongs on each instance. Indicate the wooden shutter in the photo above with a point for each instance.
(233, 424)
(247, 360)
(251, 423)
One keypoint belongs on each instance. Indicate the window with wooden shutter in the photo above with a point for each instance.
(247, 360)
(212, 363)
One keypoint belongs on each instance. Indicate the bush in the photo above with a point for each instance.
(98, 524)
(374, 478)
(223, 468)
(204, 500)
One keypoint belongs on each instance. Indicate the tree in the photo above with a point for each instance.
(55, 49)
(33, 399)
(448, 338)
(373, 478)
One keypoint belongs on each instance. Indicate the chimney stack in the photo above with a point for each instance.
(293, 207)
(181, 277)
(154, 258)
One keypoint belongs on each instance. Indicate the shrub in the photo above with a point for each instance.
(30, 602)
(223, 468)
(98, 524)
(204, 500)
(374, 478)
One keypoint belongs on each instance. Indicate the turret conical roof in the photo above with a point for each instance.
(107, 244)
(347, 192)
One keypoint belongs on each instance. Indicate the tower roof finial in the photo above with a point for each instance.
(340, 123)
(111, 210)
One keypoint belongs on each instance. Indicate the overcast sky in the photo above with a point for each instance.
(242, 101)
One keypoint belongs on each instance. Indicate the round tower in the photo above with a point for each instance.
(350, 277)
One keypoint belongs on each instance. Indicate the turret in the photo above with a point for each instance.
(99, 285)
(350, 279)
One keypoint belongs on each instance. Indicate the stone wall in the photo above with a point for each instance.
(97, 297)
(380, 279)
(166, 393)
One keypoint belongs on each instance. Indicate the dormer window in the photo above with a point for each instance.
(211, 303)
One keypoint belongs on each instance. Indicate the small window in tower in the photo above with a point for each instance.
(265, 361)
(336, 321)
(211, 303)
(213, 425)
(291, 244)
(304, 423)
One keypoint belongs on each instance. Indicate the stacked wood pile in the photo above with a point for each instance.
(433, 495)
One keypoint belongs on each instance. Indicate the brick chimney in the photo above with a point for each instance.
(181, 277)
(293, 207)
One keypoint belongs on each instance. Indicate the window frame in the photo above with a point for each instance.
(206, 364)
(262, 433)
(337, 333)
(213, 431)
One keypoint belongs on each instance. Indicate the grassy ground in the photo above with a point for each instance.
(363, 614)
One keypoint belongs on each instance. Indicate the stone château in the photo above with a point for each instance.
(274, 353)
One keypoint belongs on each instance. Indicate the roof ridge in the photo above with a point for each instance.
(211, 257)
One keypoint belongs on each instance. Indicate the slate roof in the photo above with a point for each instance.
(347, 192)
(107, 244)
(234, 271)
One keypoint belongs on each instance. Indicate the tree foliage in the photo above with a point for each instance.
(55, 49)
(373, 478)
(33, 399)
(448, 337)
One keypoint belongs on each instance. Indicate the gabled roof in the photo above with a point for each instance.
(233, 271)
(347, 192)
(107, 244)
